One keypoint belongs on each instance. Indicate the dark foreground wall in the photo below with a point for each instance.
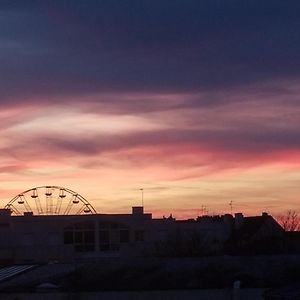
(164, 273)
(216, 294)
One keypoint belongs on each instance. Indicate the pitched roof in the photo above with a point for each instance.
(251, 225)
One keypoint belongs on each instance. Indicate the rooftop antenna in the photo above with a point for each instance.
(231, 206)
(203, 210)
(142, 190)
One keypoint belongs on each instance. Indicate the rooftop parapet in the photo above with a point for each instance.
(5, 212)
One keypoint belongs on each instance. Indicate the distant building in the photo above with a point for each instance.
(42, 238)
(256, 235)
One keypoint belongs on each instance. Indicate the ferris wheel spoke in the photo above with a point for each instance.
(69, 206)
(55, 205)
(50, 204)
(37, 201)
(23, 201)
(85, 208)
(91, 208)
(39, 206)
(15, 210)
(49, 200)
(27, 206)
(47, 205)
(80, 210)
(58, 205)
(62, 195)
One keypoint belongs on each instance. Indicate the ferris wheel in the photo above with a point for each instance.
(50, 200)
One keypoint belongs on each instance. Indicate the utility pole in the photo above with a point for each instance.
(142, 190)
(203, 210)
(231, 206)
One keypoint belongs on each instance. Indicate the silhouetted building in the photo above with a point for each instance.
(256, 235)
(292, 242)
(41, 238)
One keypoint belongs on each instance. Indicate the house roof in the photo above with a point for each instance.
(251, 225)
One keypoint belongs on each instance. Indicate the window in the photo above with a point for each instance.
(104, 240)
(89, 237)
(81, 236)
(79, 248)
(124, 236)
(78, 237)
(111, 235)
(68, 237)
(104, 236)
(104, 247)
(103, 225)
(139, 235)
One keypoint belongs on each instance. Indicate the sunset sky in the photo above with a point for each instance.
(196, 102)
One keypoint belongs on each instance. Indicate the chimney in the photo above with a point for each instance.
(238, 220)
(137, 210)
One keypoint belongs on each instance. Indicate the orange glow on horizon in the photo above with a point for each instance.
(183, 159)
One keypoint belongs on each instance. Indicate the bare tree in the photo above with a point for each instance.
(290, 221)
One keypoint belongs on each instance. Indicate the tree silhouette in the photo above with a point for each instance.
(290, 221)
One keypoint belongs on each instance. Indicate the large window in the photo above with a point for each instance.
(111, 234)
(104, 240)
(139, 235)
(81, 235)
(124, 236)
(109, 237)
